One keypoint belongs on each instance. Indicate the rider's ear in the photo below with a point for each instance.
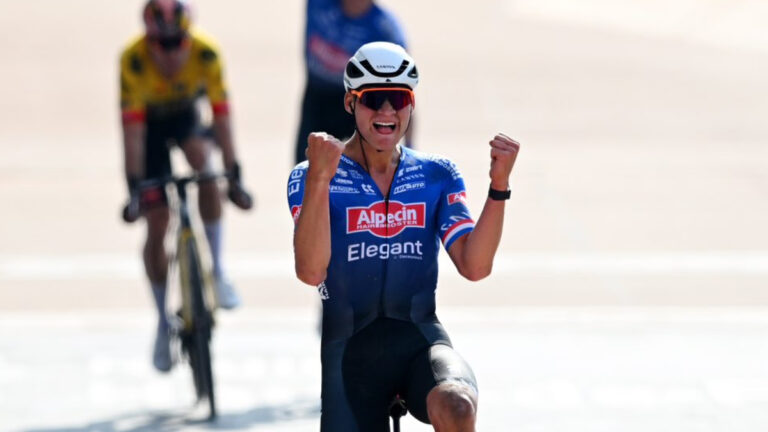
(349, 101)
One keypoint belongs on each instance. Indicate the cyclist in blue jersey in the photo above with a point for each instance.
(335, 29)
(370, 216)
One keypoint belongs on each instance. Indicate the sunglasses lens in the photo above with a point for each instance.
(399, 99)
(374, 99)
(170, 43)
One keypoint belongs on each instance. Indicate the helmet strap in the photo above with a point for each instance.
(360, 136)
(410, 119)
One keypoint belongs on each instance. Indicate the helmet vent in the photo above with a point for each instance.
(353, 71)
(374, 72)
(380, 64)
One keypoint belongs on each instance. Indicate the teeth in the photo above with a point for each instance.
(384, 124)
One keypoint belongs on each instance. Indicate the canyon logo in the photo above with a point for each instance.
(378, 222)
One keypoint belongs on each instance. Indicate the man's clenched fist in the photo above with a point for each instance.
(503, 154)
(323, 153)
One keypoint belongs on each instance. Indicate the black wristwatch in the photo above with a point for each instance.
(498, 195)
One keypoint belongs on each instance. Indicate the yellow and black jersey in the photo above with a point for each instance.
(144, 91)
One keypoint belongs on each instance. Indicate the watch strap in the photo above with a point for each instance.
(498, 195)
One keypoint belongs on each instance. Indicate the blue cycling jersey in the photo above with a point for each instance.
(332, 38)
(384, 247)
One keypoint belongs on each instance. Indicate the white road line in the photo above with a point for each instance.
(260, 265)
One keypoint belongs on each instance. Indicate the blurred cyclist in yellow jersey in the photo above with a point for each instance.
(164, 73)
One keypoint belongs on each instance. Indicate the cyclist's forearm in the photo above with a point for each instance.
(222, 131)
(133, 149)
(312, 237)
(483, 242)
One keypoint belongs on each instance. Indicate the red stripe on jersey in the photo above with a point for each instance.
(458, 226)
(136, 116)
(220, 108)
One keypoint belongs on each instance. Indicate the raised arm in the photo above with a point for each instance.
(312, 236)
(473, 253)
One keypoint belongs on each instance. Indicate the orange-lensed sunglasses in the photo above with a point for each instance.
(375, 97)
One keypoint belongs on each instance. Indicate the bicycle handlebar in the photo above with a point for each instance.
(237, 194)
(132, 209)
(180, 180)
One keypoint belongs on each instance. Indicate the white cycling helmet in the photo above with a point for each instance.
(380, 63)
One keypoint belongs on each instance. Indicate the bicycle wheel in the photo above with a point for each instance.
(199, 336)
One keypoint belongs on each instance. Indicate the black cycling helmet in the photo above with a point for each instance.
(167, 18)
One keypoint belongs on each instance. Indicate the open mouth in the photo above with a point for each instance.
(384, 127)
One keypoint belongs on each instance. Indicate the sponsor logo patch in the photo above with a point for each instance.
(396, 250)
(409, 187)
(378, 222)
(368, 189)
(295, 212)
(447, 165)
(458, 197)
(323, 291)
(294, 184)
(343, 189)
(413, 176)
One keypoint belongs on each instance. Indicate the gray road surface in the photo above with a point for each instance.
(539, 369)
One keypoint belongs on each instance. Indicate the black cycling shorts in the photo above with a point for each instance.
(362, 375)
(162, 133)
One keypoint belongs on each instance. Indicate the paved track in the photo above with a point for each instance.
(540, 369)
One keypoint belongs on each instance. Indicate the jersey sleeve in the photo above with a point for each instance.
(215, 86)
(453, 214)
(132, 106)
(296, 184)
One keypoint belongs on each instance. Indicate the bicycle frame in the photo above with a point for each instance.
(197, 299)
(186, 246)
